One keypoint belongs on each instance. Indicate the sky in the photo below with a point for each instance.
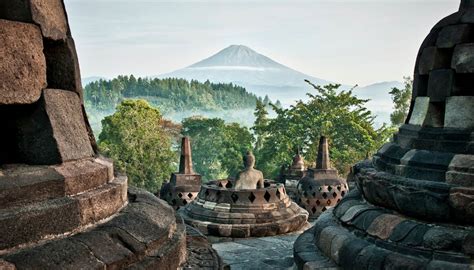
(350, 42)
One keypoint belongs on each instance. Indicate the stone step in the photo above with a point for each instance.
(45, 219)
(22, 184)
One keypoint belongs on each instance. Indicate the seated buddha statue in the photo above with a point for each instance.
(249, 178)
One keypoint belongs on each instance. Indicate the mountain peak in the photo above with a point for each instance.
(238, 56)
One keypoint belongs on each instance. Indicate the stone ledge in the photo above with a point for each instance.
(42, 220)
(413, 197)
(23, 184)
(347, 248)
(144, 235)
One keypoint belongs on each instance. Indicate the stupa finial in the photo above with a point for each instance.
(185, 161)
(323, 162)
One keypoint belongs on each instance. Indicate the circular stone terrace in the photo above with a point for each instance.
(221, 210)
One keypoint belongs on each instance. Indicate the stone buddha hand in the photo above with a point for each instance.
(249, 178)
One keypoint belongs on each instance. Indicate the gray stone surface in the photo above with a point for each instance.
(420, 110)
(274, 252)
(463, 58)
(452, 35)
(459, 112)
(440, 84)
(22, 65)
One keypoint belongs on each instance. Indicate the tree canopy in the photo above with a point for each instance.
(401, 102)
(139, 145)
(339, 115)
(217, 147)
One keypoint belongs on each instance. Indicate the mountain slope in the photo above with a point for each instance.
(257, 73)
(262, 76)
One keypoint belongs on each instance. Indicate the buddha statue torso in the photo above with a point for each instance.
(249, 178)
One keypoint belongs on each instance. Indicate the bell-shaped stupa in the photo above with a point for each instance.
(321, 188)
(414, 203)
(184, 185)
(61, 205)
(247, 207)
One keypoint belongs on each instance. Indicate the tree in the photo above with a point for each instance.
(339, 115)
(401, 99)
(134, 138)
(217, 147)
(260, 124)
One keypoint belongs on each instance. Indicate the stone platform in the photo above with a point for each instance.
(145, 234)
(223, 211)
(359, 235)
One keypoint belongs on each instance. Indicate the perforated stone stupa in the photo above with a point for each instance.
(295, 172)
(183, 186)
(223, 210)
(322, 188)
(61, 205)
(414, 203)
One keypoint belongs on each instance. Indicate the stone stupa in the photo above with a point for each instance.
(184, 185)
(61, 205)
(247, 207)
(414, 203)
(296, 171)
(321, 188)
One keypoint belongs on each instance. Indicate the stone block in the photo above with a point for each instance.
(440, 84)
(63, 66)
(51, 17)
(23, 65)
(402, 230)
(397, 261)
(113, 252)
(4, 265)
(420, 109)
(55, 132)
(416, 235)
(17, 10)
(459, 112)
(336, 245)
(443, 238)
(53, 256)
(420, 86)
(349, 252)
(453, 35)
(463, 58)
(468, 16)
(36, 221)
(382, 227)
(102, 202)
(364, 221)
(432, 58)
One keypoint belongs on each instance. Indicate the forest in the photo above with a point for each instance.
(144, 143)
(170, 94)
(176, 99)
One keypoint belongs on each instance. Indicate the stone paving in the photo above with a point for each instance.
(275, 252)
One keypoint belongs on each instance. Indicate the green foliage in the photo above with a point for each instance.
(169, 95)
(134, 138)
(217, 147)
(340, 116)
(401, 99)
(260, 124)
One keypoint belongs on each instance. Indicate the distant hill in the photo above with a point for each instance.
(259, 74)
